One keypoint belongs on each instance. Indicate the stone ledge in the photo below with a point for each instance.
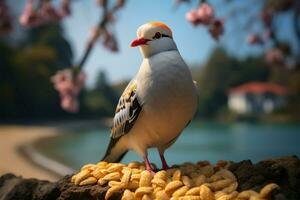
(283, 171)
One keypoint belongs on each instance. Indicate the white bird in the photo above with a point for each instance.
(159, 101)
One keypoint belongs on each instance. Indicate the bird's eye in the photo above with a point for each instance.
(157, 35)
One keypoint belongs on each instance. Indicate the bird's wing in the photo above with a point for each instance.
(127, 111)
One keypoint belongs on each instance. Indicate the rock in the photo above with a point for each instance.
(12, 187)
(283, 171)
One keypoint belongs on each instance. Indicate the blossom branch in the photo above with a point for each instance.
(90, 43)
(69, 82)
(205, 15)
(106, 15)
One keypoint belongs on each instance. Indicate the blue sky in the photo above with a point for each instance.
(194, 43)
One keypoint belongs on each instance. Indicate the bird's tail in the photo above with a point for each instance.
(115, 151)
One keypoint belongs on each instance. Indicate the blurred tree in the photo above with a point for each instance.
(103, 86)
(7, 76)
(26, 91)
(222, 72)
(25, 68)
(34, 95)
(51, 36)
(103, 98)
(271, 25)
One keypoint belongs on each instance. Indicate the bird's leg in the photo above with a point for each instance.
(163, 161)
(148, 164)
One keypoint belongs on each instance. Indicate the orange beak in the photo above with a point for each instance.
(138, 42)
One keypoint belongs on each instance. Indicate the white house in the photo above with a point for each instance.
(256, 97)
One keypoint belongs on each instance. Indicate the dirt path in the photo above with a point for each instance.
(12, 137)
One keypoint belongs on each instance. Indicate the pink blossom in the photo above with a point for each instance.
(192, 17)
(216, 28)
(267, 34)
(69, 103)
(266, 19)
(48, 13)
(254, 39)
(110, 41)
(5, 18)
(101, 2)
(63, 82)
(274, 56)
(65, 9)
(110, 17)
(205, 14)
(68, 87)
(120, 4)
(81, 77)
(29, 17)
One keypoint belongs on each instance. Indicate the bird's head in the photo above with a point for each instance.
(153, 38)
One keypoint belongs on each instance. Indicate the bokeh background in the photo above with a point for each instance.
(246, 61)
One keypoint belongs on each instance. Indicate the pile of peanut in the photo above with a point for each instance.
(189, 181)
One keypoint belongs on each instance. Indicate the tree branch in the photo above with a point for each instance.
(101, 25)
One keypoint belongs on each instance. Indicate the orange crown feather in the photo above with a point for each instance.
(162, 25)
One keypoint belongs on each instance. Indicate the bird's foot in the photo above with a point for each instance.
(149, 167)
(165, 165)
(152, 172)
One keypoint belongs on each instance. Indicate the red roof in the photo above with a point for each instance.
(259, 88)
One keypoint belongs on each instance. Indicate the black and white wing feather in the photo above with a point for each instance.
(127, 111)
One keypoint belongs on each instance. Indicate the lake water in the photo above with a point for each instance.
(200, 141)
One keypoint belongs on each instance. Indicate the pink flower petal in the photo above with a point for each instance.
(216, 28)
(48, 13)
(29, 17)
(274, 56)
(69, 103)
(69, 88)
(65, 9)
(205, 14)
(254, 39)
(191, 16)
(5, 18)
(110, 41)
